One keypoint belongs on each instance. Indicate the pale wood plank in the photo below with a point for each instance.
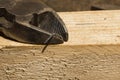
(97, 27)
(87, 28)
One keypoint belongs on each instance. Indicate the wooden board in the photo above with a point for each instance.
(93, 28)
(87, 28)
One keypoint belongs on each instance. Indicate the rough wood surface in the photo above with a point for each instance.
(74, 60)
(60, 63)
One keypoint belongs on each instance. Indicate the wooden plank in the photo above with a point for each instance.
(87, 28)
(93, 28)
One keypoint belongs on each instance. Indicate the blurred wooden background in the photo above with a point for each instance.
(76, 5)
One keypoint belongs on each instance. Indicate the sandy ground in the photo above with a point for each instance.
(60, 63)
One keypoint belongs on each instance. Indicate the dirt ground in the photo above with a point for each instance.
(60, 63)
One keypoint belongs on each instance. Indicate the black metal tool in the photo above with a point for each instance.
(31, 21)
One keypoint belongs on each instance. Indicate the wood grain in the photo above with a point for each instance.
(60, 63)
(92, 27)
